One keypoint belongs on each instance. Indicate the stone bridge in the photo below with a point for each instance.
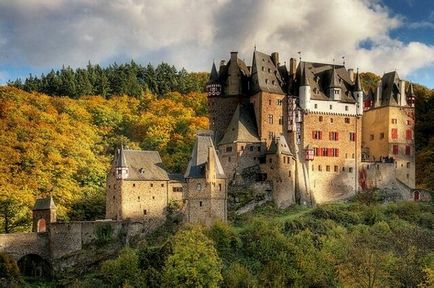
(19, 245)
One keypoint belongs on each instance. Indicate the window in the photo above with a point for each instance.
(279, 102)
(381, 135)
(280, 120)
(408, 122)
(270, 135)
(162, 185)
(394, 121)
(407, 150)
(262, 68)
(229, 159)
(269, 102)
(220, 187)
(289, 174)
(259, 148)
(319, 168)
(350, 169)
(324, 152)
(331, 107)
(269, 70)
(315, 106)
(343, 169)
(346, 108)
(138, 198)
(394, 133)
(371, 137)
(198, 187)
(347, 120)
(331, 120)
(313, 168)
(266, 81)
(177, 189)
(152, 184)
(408, 134)
(328, 168)
(352, 136)
(395, 149)
(200, 203)
(242, 148)
(320, 118)
(270, 160)
(336, 168)
(317, 135)
(270, 119)
(251, 148)
(408, 164)
(134, 184)
(229, 149)
(334, 136)
(145, 212)
(153, 197)
(335, 152)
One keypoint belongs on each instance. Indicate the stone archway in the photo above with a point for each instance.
(34, 266)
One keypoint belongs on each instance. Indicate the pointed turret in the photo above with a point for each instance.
(304, 79)
(411, 96)
(214, 76)
(121, 164)
(121, 161)
(358, 83)
(334, 80)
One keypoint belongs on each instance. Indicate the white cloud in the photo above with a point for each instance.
(191, 33)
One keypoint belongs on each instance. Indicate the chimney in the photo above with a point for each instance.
(292, 66)
(351, 72)
(222, 64)
(275, 58)
(234, 56)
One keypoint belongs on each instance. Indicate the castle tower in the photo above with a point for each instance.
(280, 169)
(358, 94)
(388, 128)
(226, 88)
(121, 164)
(411, 97)
(44, 213)
(206, 194)
(304, 92)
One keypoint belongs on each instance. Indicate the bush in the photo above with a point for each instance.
(8, 268)
(104, 233)
(226, 240)
(238, 276)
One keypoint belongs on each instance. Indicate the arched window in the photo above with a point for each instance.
(198, 187)
(42, 227)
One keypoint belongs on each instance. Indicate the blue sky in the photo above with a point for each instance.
(374, 35)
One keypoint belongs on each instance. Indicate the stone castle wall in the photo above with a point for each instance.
(20, 244)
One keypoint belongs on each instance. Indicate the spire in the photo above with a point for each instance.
(358, 83)
(120, 159)
(304, 79)
(410, 91)
(334, 80)
(214, 76)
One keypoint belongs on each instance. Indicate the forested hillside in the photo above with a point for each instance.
(62, 147)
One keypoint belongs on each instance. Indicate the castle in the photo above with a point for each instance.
(308, 131)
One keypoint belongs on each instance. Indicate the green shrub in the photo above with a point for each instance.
(238, 276)
(8, 268)
(104, 233)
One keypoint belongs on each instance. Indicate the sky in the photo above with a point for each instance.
(373, 35)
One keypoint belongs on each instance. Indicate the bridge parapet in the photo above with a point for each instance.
(20, 244)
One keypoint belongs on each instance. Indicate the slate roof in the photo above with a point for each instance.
(410, 91)
(214, 76)
(358, 84)
(120, 158)
(242, 127)
(265, 75)
(241, 65)
(389, 89)
(320, 77)
(199, 158)
(279, 146)
(143, 165)
(44, 204)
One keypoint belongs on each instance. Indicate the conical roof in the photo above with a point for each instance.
(410, 91)
(199, 158)
(120, 158)
(304, 79)
(279, 146)
(334, 80)
(358, 84)
(214, 76)
(242, 127)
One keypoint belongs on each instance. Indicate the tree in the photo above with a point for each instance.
(194, 262)
(12, 216)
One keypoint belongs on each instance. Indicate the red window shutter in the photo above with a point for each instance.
(394, 133)
(319, 151)
(408, 135)
(337, 152)
(330, 135)
(330, 152)
(313, 134)
(337, 136)
(395, 149)
(407, 150)
(320, 135)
